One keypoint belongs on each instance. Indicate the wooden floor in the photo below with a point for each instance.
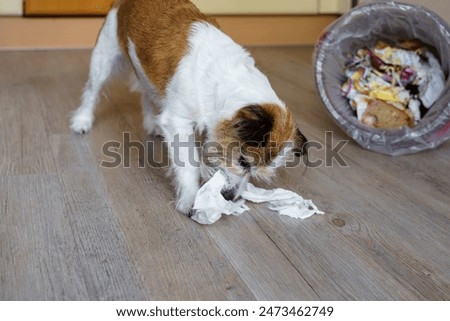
(72, 230)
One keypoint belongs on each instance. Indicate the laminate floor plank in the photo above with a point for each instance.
(24, 147)
(104, 259)
(38, 255)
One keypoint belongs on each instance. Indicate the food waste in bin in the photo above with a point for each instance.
(393, 86)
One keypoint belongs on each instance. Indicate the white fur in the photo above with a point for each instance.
(213, 80)
(106, 60)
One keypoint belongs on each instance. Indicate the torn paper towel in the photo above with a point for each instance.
(210, 204)
(282, 201)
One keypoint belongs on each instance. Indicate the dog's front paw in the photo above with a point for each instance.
(191, 213)
(186, 198)
(81, 123)
(185, 206)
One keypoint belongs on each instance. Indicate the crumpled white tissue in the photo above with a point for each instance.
(210, 204)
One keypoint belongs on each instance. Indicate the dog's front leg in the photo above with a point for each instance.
(179, 134)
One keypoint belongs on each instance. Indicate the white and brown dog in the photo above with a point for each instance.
(193, 78)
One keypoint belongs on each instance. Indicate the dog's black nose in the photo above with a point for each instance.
(229, 194)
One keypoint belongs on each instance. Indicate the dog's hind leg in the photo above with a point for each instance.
(149, 114)
(105, 61)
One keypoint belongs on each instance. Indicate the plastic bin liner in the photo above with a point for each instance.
(363, 27)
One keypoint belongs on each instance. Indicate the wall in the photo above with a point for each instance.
(273, 6)
(441, 7)
(256, 6)
(11, 7)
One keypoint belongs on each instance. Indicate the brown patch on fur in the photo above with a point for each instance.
(267, 147)
(160, 30)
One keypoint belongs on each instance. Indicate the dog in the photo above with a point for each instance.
(193, 78)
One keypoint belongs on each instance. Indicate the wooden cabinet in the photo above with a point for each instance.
(216, 7)
(66, 7)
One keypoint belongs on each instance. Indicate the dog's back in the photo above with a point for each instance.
(159, 32)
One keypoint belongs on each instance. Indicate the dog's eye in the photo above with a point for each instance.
(244, 163)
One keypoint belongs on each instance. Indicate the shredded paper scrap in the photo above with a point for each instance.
(393, 86)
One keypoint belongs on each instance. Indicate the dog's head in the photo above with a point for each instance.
(256, 141)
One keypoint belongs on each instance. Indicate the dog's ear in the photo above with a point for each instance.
(253, 125)
(300, 143)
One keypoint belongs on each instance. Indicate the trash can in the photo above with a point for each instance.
(364, 27)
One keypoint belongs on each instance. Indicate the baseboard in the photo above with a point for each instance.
(71, 32)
